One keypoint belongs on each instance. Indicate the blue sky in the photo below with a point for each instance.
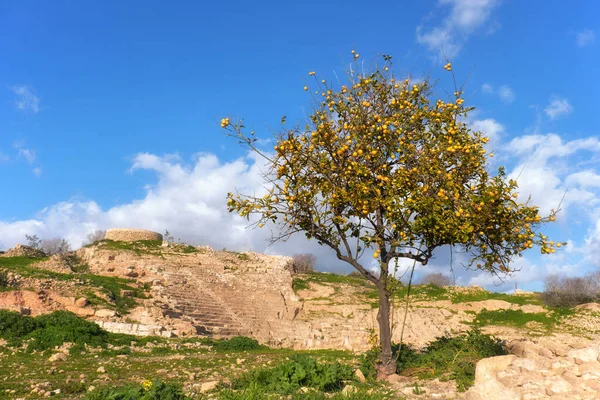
(109, 110)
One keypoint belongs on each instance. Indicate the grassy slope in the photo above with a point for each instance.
(109, 285)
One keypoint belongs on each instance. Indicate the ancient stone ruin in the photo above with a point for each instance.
(131, 235)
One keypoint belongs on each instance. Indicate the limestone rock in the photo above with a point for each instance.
(208, 386)
(557, 385)
(105, 313)
(82, 302)
(587, 354)
(58, 357)
(348, 390)
(487, 368)
(359, 375)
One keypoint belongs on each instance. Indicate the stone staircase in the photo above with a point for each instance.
(190, 300)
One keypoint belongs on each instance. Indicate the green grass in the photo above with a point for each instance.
(140, 247)
(518, 318)
(424, 292)
(112, 286)
(481, 295)
(128, 365)
(301, 282)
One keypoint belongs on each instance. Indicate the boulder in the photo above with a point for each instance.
(487, 368)
(82, 302)
(588, 354)
(208, 386)
(359, 376)
(557, 385)
(58, 357)
(105, 313)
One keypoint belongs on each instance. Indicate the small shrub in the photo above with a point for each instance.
(189, 249)
(299, 284)
(155, 390)
(62, 326)
(3, 280)
(300, 371)
(445, 358)
(55, 246)
(356, 274)
(95, 237)
(302, 263)
(237, 343)
(33, 241)
(14, 325)
(571, 291)
(436, 279)
(50, 330)
(73, 387)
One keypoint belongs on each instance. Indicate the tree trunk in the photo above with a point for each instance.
(386, 365)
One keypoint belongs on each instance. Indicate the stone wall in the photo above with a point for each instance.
(131, 235)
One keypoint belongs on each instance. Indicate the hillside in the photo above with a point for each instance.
(178, 291)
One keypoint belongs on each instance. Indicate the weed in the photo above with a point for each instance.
(299, 371)
(445, 358)
(3, 281)
(155, 390)
(189, 249)
(237, 343)
(299, 284)
(417, 390)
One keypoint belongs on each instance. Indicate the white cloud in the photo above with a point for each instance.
(28, 154)
(465, 17)
(585, 37)
(558, 107)
(585, 178)
(4, 157)
(504, 92)
(489, 126)
(592, 242)
(26, 98)
(546, 171)
(189, 199)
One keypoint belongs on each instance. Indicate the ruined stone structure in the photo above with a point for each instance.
(131, 235)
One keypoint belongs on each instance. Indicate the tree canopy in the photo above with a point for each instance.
(381, 164)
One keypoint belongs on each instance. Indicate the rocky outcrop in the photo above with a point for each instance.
(21, 250)
(539, 371)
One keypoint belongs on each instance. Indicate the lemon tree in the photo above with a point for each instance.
(383, 167)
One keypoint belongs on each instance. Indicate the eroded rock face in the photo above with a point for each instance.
(535, 372)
